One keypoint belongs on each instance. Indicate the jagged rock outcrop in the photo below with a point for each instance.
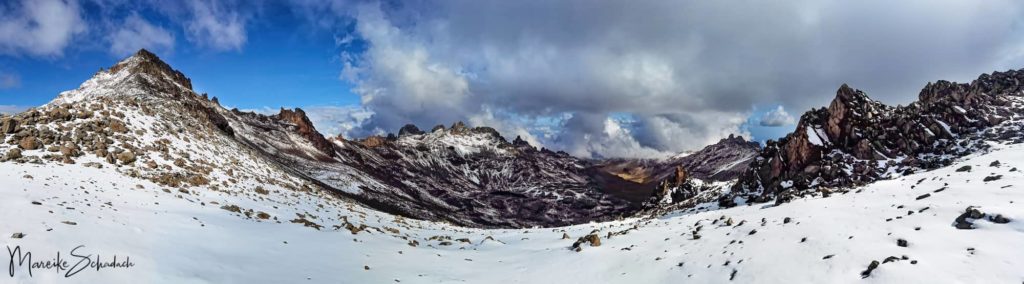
(409, 129)
(674, 188)
(520, 142)
(857, 140)
(305, 128)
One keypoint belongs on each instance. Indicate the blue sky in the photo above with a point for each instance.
(641, 80)
(283, 62)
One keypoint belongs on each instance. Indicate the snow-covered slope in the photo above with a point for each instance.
(142, 117)
(175, 237)
(189, 192)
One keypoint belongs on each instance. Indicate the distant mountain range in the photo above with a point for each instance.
(151, 124)
(136, 163)
(464, 175)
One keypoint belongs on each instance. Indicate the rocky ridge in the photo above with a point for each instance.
(688, 179)
(857, 140)
(142, 117)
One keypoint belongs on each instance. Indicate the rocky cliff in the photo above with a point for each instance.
(857, 140)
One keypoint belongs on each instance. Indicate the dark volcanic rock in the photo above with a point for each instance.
(842, 145)
(409, 129)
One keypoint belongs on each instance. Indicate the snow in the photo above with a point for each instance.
(959, 110)
(816, 136)
(465, 144)
(945, 127)
(738, 161)
(106, 83)
(183, 238)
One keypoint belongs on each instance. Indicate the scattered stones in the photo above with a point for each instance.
(923, 196)
(871, 267)
(786, 220)
(232, 208)
(592, 239)
(964, 169)
(17, 235)
(962, 221)
(994, 164)
(261, 190)
(565, 236)
(992, 178)
(998, 219)
(307, 223)
(901, 243)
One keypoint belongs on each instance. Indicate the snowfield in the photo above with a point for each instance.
(176, 237)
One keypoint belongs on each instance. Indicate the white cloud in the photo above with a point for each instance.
(687, 71)
(399, 75)
(12, 109)
(777, 117)
(215, 25)
(39, 27)
(136, 33)
(335, 120)
(330, 120)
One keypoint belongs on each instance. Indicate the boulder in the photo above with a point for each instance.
(962, 222)
(13, 153)
(999, 219)
(593, 239)
(70, 150)
(8, 125)
(30, 143)
(126, 157)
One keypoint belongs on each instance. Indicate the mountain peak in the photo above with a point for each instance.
(848, 94)
(145, 62)
(147, 55)
(142, 74)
